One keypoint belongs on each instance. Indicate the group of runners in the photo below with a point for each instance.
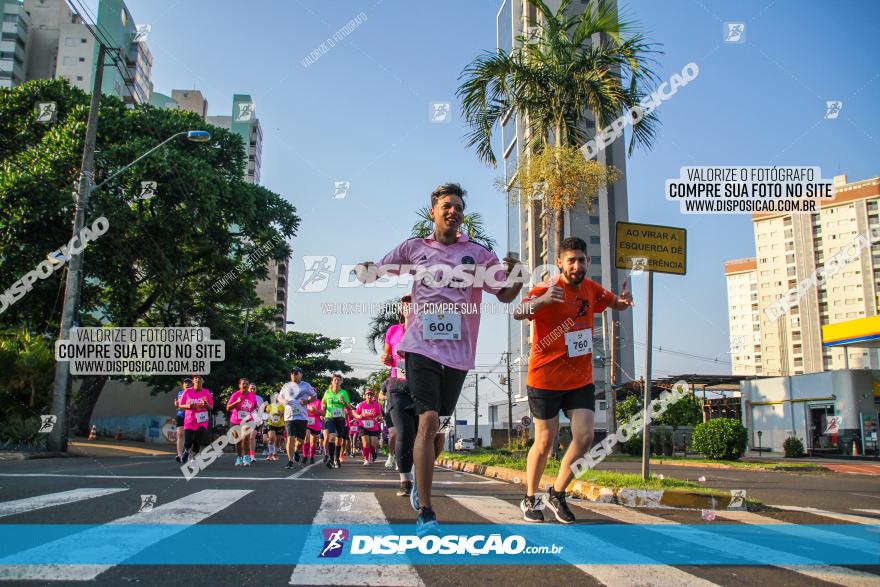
(430, 353)
(295, 421)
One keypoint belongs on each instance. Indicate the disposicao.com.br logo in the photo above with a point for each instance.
(452, 544)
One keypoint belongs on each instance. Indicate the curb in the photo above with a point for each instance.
(664, 498)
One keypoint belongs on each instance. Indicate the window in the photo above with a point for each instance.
(69, 42)
(79, 78)
(595, 259)
(69, 60)
(603, 406)
(594, 220)
(594, 240)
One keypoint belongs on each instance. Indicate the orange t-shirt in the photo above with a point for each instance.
(550, 366)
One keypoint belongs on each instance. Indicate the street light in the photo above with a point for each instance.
(57, 440)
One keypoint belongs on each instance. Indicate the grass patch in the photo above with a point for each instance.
(613, 479)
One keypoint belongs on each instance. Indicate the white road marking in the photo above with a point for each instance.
(851, 518)
(831, 573)
(300, 473)
(29, 504)
(108, 541)
(346, 480)
(363, 508)
(644, 573)
(867, 512)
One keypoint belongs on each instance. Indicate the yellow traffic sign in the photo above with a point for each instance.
(650, 247)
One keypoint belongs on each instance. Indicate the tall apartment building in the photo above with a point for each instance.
(191, 101)
(789, 249)
(526, 235)
(14, 43)
(243, 121)
(43, 39)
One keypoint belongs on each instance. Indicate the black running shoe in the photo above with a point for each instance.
(312, 461)
(529, 507)
(329, 463)
(405, 488)
(426, 523)
(289, 465)
(326, 458)
(185, 457)
(556, 503)
(178, 459)
(296, 457)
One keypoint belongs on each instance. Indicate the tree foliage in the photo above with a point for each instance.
(471, 224)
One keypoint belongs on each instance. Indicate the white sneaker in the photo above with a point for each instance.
(366, 462)
(389, 462)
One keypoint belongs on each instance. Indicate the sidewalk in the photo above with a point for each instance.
(102, 447)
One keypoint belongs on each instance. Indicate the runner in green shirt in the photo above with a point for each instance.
(334, 402)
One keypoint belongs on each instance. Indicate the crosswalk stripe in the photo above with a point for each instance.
(851, 518)
(645, 573)
(106, 541)
(830, 573)
(342, 509)
(29, 504)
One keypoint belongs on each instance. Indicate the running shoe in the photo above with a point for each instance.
(366, 463)
(329, 463)
(556, 503)
(312, 461)
(185, 457)
(246, 461)
(405, 488)
(238, 462)
(530, 507)
(326, 457)
(426, 523)
(296, 457)
(337, 464)
(389, 462)
(289, 465)
(178, 458)
(414, 494)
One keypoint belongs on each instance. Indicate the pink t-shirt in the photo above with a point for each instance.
(369, 412)
(427, 252)
(196, 417)
(392, 339)
(314, 411)
(248, 404)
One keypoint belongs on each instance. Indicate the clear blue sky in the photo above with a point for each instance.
(360, 114)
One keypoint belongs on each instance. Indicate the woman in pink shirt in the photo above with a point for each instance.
(369, 413)
(313, 429)
(240, 407)
(195, 403)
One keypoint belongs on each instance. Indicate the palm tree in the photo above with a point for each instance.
(552, 80)
(472, 225)
(387, 317)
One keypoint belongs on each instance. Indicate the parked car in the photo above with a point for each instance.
(465, 444)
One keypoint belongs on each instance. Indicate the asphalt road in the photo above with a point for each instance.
(110, 489)
(834, 491)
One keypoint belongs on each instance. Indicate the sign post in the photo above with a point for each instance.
(649, 248)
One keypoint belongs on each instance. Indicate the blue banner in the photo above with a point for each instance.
(455, 544)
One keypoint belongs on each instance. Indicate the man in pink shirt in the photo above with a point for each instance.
(441, 337)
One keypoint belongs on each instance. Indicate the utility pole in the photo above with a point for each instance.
(612, 396)
(509, 403)
(476, 410)
(57, 440)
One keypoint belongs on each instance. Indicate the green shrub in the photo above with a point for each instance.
(720, 438)
(18, 433)
(793, 447)
(633, 446)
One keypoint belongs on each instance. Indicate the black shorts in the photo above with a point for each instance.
(546, 403)
(279, 430)
(373, 433)
(296, 428)
(196, 439)
(337, 426)
(179, 420)
(433, 386)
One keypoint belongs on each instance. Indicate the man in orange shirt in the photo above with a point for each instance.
(560, 373)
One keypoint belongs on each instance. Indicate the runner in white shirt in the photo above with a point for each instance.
(296, 395)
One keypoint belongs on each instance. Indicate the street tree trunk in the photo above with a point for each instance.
(82, 407)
